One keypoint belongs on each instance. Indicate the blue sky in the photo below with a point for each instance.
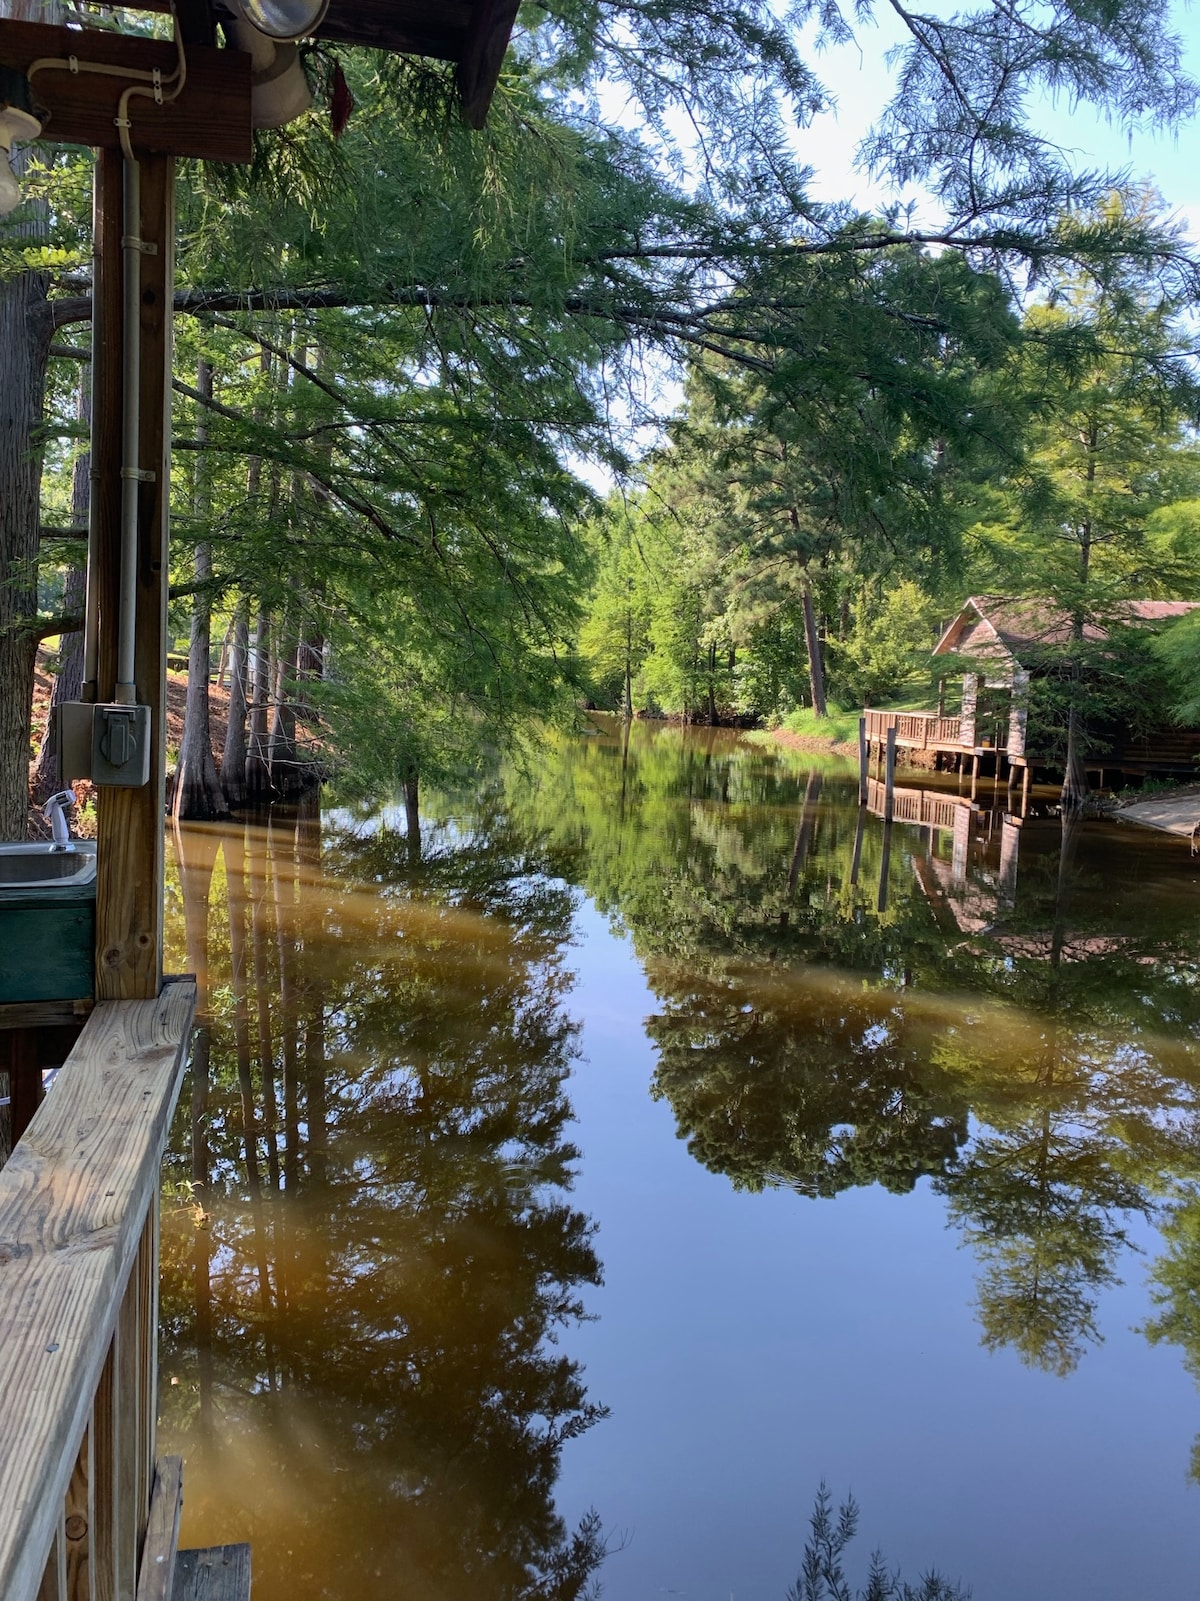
(859, 79)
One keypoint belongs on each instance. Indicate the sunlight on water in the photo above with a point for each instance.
(609, 1039)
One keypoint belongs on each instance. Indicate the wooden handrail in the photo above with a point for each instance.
(913, 729)
(79, 1306)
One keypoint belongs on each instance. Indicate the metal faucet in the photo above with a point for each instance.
(54, 811)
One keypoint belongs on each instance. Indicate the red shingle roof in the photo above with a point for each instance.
(998, 624)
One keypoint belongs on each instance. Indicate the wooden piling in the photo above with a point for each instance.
(862, 761)
(889, 797)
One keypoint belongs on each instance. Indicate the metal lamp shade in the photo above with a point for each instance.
(284, 20)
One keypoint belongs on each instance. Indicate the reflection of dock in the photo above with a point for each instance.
(927, 808)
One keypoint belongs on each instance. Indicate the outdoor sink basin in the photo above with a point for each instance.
(47, 922)
(39, 866)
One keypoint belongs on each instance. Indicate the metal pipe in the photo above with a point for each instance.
(131, 415)
(91, 605)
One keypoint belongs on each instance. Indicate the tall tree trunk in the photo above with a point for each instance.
(223, 660)
(712, 686)
(1075, 785)
(816, 664)
(258, 771)
(233, 762)
(628, 708)
(68, 679)
(281, 753)
(412, 815)
(198, 793)
(25, 343)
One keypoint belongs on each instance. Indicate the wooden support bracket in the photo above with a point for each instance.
(210, 119)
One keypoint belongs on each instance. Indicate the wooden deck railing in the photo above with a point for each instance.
(929, 731)
(79, 1316)
(927, 807)
(914, 730)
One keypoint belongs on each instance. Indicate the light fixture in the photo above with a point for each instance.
(283, 20)
(267, 30)
(17, 121)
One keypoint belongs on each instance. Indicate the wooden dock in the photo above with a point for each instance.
(87, 1513)
(1171, 814)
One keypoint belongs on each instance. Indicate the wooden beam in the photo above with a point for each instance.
(210, 119)
(156, 1575)
(129, 847)
(405, 27)
(43, 1014)
(74, 1199)
(482, 55)
(220, 1573)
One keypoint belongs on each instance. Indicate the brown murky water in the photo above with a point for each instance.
(659, 1135)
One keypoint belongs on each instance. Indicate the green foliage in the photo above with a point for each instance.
(889, 648)
(1178, 648)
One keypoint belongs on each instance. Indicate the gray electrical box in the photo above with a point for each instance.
(121, 746)
(73, 735)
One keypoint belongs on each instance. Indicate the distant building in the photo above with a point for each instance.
(1008, 639)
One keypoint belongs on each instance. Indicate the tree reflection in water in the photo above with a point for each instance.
(361, 1296)
(1019, 1029)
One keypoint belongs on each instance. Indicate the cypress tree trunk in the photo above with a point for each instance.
(69, 678)
(1075, 785)
(198, 793)
(258, 770)
(816, 664)
(233, 762)
(412, 816)
(284, 767)
(223, 661)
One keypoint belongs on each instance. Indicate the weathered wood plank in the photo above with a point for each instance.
(42, 1014)
(80, 1515)
(73, 1202)
(54, 1578)
(220, 1573)
(104, 1469)
(210, 118)
(156, 1575)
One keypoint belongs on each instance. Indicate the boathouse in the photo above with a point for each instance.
(1003, 643)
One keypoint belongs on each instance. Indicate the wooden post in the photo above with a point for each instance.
(974, 776)
(889, 794)
(1025, 790)
(862, 761)
(129, 869)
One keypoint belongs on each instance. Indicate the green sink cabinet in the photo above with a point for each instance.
(47, 942)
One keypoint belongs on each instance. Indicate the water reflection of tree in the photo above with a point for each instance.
(363, 1328)
(806, 1039)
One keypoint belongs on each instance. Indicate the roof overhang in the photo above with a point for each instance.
(211, 118)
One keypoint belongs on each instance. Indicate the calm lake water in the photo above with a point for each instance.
(656, 1138)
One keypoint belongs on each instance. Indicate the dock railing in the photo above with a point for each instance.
(914, 730)
(86, 1514)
